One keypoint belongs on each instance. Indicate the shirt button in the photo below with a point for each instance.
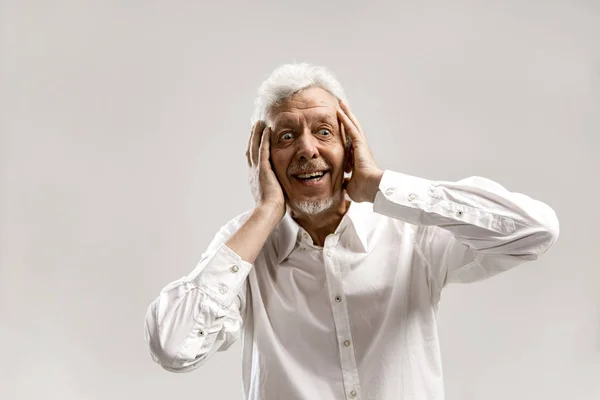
(389, 191)
(353, 393)
(412, 196)
(235, 268)
(223, 289)
(305, 235)
(347, 343)
(338, 298)
(329, 253)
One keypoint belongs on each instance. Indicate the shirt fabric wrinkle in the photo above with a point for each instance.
(357, 317)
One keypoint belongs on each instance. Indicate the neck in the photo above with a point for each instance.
(319, 226)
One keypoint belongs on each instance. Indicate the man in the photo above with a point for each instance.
(337, 298)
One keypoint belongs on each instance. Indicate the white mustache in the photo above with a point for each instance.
(307, 168)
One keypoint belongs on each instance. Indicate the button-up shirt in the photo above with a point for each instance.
(356, 318)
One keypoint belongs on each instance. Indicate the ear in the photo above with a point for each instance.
(348, 152)
(349, 159)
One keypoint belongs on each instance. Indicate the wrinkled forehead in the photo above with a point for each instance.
(297, 117)
(313, 104)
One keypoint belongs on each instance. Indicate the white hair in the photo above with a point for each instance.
(289, 79)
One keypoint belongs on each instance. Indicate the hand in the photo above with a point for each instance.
(264, 184)
(364, 182)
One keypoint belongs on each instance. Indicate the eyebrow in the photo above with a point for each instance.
(320, 117)
(326, 117)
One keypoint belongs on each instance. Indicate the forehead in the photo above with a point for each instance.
(309, 104)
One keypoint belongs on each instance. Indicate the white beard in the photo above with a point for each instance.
(312, 207)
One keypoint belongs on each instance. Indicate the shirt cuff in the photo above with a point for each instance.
(403, 196)
(223, 276)
(421, 201)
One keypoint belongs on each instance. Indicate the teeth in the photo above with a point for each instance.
(311, 175)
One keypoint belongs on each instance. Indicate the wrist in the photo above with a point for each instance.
(270, 211)
(374, 185)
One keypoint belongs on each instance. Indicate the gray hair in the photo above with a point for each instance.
(289, 79)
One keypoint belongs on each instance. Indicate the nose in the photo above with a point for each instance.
(307, 146)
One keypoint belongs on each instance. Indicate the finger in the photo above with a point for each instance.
(350, 129)
(264, 151)
(256, 137)
(350, 114)
(249, 146)
(343, 133)
(347, 139)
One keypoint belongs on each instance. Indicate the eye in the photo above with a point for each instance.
(286, 135)
(325, 132)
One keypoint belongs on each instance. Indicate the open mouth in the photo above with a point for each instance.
(311, 178)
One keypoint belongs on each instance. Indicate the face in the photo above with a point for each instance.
(306, 139)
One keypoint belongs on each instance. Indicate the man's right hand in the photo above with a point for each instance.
(265, 187)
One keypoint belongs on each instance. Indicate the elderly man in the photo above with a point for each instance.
(333, 279)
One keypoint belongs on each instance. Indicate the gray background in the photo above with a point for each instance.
(124, 126)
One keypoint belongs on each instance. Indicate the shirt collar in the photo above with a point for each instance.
(353, 227)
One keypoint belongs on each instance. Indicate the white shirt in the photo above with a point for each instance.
(355, 319)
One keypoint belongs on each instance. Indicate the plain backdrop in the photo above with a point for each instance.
(123, 131)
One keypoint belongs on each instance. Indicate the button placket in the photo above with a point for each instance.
(341, 318)
(223, 289)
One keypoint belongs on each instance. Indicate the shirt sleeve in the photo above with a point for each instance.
(200, 314)
(468, 230)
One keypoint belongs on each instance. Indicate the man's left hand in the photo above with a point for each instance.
(363, 184)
